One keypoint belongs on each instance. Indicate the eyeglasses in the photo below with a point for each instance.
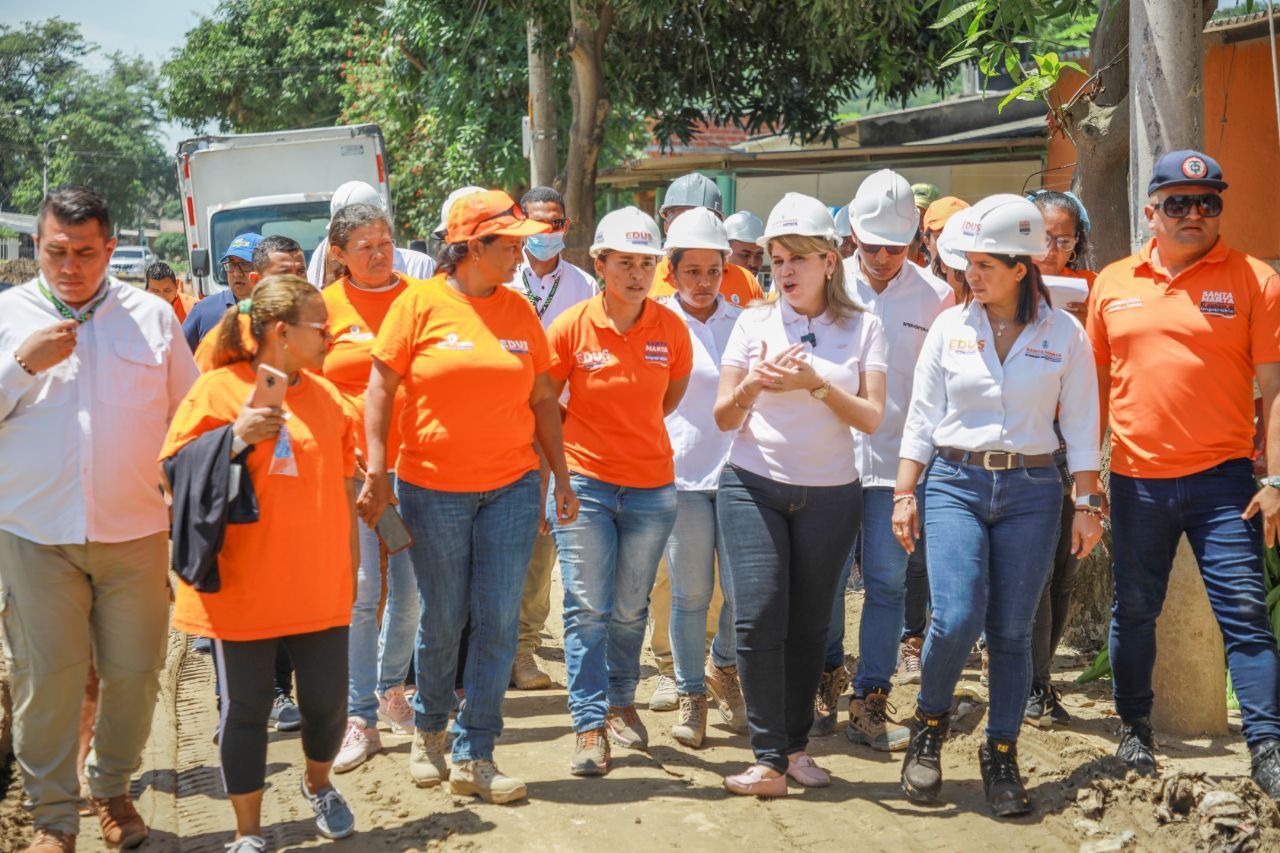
(872, 249)
(1179, 206)
(232, 267)
(322, 328)
(1063, 244)
(556, 224)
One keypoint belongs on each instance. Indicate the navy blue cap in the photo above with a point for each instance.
(241, 247)
(1186, 168)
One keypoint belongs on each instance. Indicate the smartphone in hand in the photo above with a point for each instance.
(270, 388)
(393, 532)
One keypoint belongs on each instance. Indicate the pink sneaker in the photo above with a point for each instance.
(753, 782)
(395, 711)
(359, 743)
(804, 770)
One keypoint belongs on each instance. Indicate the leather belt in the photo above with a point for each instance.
(996, 460)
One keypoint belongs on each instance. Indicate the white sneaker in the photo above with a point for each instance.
(395, 711)
(360, 742)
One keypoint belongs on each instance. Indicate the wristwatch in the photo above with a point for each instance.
(820, 393)
(1089, 503)
(1272, 481)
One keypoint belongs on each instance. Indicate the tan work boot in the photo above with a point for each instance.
(909, 669)
(870, 724)
(122, 826)
(525, 674)
(591, 753)
(691, 728)
(52, 841)
(483, 779)
(664, 696)
(826, 705)
(426, 759)
(724, 687)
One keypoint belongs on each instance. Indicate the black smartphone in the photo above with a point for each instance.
(392, 531)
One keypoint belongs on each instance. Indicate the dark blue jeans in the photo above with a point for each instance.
(470, 554)
(1148, 517)
(786, 545)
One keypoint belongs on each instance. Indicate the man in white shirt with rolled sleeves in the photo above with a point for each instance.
(907, 299)
(552, 285)
(91, 370)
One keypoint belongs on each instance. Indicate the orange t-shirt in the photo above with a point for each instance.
(182, 305)
(355, 316)
(204, 352)
(468, 367)
(738, 286)
(289, 572)
(615, 429)
(1182, 353)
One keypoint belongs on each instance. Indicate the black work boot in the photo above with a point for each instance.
(1265, 767)
(922, 766)
(998, 760)
(1137, 747)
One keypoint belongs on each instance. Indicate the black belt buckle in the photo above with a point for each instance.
(988, 455)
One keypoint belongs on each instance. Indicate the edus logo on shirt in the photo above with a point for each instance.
(593, 359)
(515, 347)
(1218, 303)
(657, 352)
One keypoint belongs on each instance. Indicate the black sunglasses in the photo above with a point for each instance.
(556, 224)
(874, 249)
(514, 211)
(1179, 206)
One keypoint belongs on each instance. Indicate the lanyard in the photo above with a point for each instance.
(533, 300)
(70, 314)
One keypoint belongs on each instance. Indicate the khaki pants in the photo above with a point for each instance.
(660, 619)
(58, 605)
(535, 601)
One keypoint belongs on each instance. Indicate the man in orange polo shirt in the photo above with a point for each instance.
(1180, 330)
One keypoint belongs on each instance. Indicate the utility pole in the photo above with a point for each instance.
(1166, 93)
(542, 116)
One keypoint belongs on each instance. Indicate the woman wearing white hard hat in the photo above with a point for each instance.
(324, 269)
(697, 245)
(626, 361)
(798, 376)
(991, 377)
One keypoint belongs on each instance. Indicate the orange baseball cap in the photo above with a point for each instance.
(941, 210)
(489, 213)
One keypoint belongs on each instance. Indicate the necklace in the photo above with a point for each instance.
(69, 313)
(1001, 326)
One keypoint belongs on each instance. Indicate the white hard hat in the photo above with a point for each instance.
(1064, 290)
(744, 226)
(354, 192)
(951, 231)
(629, 230)
(843, 228)
(448, 203)
(1004, 227)
(883, 211)
(697, 229)
(801, 215)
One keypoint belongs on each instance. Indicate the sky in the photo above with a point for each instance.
(150, 28)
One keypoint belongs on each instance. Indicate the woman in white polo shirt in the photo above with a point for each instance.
(797, 375)
(697, 247)
(992, 375)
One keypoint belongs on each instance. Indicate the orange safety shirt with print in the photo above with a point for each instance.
(289, 572)
(467, 366)
(182, 305)
(738, 287)
(1181, 351)
(355, 316)
(615, 429)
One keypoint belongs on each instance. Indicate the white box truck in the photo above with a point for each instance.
(272, 183)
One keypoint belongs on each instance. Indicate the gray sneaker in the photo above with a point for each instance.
(333, 816)
(247, 844)
(665, 696)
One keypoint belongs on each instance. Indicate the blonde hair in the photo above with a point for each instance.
(277, 298)
(839, 302)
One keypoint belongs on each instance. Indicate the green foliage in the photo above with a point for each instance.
(1100, 668)
(170, 247)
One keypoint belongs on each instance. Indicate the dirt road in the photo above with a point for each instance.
(671, 797)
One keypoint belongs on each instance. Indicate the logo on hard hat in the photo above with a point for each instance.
(1024, 226)
(788, 223)
(639, 236)
(1195, 167)
(970, 228)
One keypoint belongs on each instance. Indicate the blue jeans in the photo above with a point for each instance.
(692, 550)
(470, 554)
(786, 546)
(608, 561)
(998, 531)
(1148, 518)
(378, 660)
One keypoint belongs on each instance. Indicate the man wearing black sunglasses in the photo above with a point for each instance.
(1180, 331)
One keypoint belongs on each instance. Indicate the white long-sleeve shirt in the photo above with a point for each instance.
(965, 398)
(907, 308)
(80, 440)
(700, 448)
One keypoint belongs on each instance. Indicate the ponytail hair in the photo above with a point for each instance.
(277, 298)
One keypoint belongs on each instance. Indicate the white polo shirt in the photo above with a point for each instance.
(789, 436)
(965, 398)
(551, 294)
(700, 447)
(80, 441)
(907, 308)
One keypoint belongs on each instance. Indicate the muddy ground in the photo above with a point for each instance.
(671, 797)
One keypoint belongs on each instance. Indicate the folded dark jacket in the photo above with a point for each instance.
(200, 477)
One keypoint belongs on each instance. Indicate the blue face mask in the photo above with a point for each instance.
(544, 247)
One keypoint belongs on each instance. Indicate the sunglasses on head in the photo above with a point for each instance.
(1179, 206)
(514, 211)
(872, 249)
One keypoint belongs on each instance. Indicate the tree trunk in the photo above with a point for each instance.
(543, 166)
(591, 105)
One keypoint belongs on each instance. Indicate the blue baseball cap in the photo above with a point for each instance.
(1186, 168)
(241, 247)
